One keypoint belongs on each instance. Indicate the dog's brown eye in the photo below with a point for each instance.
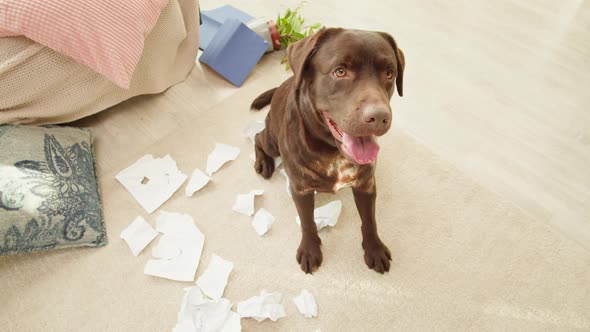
(340, 72)
(389, 74)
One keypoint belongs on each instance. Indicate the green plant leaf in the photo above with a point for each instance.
(291, 25)
(284, 42)
(298, 35)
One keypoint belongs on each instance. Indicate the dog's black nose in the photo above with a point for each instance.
(377, 117)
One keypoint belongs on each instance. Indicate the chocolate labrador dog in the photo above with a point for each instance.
(324, 121)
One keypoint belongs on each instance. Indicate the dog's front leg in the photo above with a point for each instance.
(309, 254)
(377, 255)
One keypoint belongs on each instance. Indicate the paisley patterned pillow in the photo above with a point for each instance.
(49, 194)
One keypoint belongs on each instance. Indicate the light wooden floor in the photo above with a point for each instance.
(500, 88)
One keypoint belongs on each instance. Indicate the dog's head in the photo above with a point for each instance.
(349, 76)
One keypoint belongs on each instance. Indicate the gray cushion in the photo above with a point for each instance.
(49, 195)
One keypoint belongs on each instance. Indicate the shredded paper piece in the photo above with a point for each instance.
(326, 215)
(262, 221)
(166, 248)
(213, 281)
(179, 250)
(244, 203)
(152, 181)
(266, 305)
(232, 323)
(278, 161)
(198, 314)
(306, 304)
(138, 235)
(288, 188)
(197, 182)
(221, 155)
(252, 129)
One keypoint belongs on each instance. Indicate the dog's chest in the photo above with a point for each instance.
(344, 172)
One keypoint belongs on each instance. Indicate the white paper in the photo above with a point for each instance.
(167, 248)
(197, 182)
(213, 281)
(221, 155)
(185, 326)
(138, 235)
(326, 215)
(232, 323)
(152, 181)
(306, 304)
(179, 249)
(244, 203)
(200, 314)
(288, 188)
(252, 129)
(266, 305)
(278, 162)
(262, 221)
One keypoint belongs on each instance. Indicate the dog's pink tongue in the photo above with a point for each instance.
(363, 150)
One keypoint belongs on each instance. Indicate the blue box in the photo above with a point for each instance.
(234, 51)
(213, 19)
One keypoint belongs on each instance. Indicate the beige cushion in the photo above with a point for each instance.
(41, 86)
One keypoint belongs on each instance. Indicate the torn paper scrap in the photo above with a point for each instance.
(200, 314)
(211, 315)
(244, 203)
(185, 326)
(288, 186)
(167, 248)
(138, 235)
(326, 215)
(252, 129)
(221, 155)
(262, 221)
(213, 281)
(267, 305)
(306, 304)
(197, 182)
(278, 161)
(152, 181)
(179, 250)
(232, 323)
(176, 223)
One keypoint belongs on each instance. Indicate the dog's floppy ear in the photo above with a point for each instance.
(299, 53)
(401, 62)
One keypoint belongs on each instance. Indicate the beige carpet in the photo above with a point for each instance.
(464, 259)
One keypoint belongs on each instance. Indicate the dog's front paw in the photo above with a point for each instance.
(264, 164)
(377, 256)
(309, 255)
